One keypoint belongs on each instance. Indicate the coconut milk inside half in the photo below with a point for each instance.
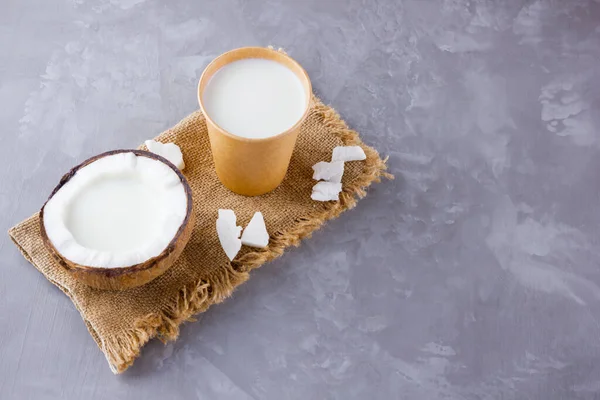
(254, 98)
(115, 213)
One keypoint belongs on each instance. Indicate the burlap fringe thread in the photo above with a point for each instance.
(122, 350)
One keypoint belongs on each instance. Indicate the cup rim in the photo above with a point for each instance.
(291, 129)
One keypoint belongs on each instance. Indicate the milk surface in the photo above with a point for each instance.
(254, 98)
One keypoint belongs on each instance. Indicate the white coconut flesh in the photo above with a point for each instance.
(170, 151)
(328, 171)
(255, 234)
(348, 153)
(117, 211)
(229, 233)
(326, 191)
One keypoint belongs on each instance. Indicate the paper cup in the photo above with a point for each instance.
(252, 167)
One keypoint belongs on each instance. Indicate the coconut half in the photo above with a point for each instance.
(119, 219)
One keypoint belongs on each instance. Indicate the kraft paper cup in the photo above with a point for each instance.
(252, 167)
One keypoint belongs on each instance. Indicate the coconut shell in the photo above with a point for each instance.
(135, 275)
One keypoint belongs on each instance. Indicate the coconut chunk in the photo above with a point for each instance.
(348, 153)
(326, 191)
(229, 233)
(255, 234)
(170, 151)
(328, 171)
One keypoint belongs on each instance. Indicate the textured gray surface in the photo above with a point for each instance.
(474, 275)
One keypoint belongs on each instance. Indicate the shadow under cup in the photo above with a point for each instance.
(247, 166)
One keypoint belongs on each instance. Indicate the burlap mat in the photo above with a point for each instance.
(122, 322)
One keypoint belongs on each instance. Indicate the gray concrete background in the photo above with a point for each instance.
(474, 275)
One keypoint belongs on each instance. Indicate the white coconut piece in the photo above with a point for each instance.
(117, 211)
(170, 151)
(326, 191)
(328, 171)
(348, 153)
(229, 233)
(255, 234)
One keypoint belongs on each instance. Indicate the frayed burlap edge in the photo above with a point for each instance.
(121, 350)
